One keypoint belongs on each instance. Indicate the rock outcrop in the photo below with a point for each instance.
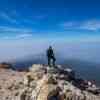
(42, 83)
(5, 65)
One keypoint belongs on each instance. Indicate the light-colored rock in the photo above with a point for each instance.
(40, 83)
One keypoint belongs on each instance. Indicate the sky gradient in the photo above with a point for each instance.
(46, 19)
(27, 23)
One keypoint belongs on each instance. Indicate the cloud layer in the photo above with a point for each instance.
(15, 33)
(23, 28)
(89, 25)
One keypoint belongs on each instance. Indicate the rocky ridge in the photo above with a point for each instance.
(42, 82)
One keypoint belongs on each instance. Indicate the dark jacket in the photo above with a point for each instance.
(50, 53)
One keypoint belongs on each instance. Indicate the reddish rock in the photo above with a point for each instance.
(5, 65)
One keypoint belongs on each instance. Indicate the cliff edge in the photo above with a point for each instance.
(42, 82)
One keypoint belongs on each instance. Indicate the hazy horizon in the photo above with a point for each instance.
(86, 51)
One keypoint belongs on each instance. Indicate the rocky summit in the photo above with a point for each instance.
(42, 82)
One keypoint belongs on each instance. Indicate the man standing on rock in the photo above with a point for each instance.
(50, 56)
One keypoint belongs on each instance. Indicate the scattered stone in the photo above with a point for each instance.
(51, 79)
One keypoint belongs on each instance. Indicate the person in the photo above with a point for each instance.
(50, 56)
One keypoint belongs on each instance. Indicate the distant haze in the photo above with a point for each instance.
(88, 51)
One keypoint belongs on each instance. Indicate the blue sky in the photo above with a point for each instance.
(49, 19)
(27, 23)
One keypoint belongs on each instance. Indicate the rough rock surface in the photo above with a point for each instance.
(40, 83)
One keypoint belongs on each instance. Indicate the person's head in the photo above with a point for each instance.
(50, 47)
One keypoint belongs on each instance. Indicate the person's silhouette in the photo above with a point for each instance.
(50, 56)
